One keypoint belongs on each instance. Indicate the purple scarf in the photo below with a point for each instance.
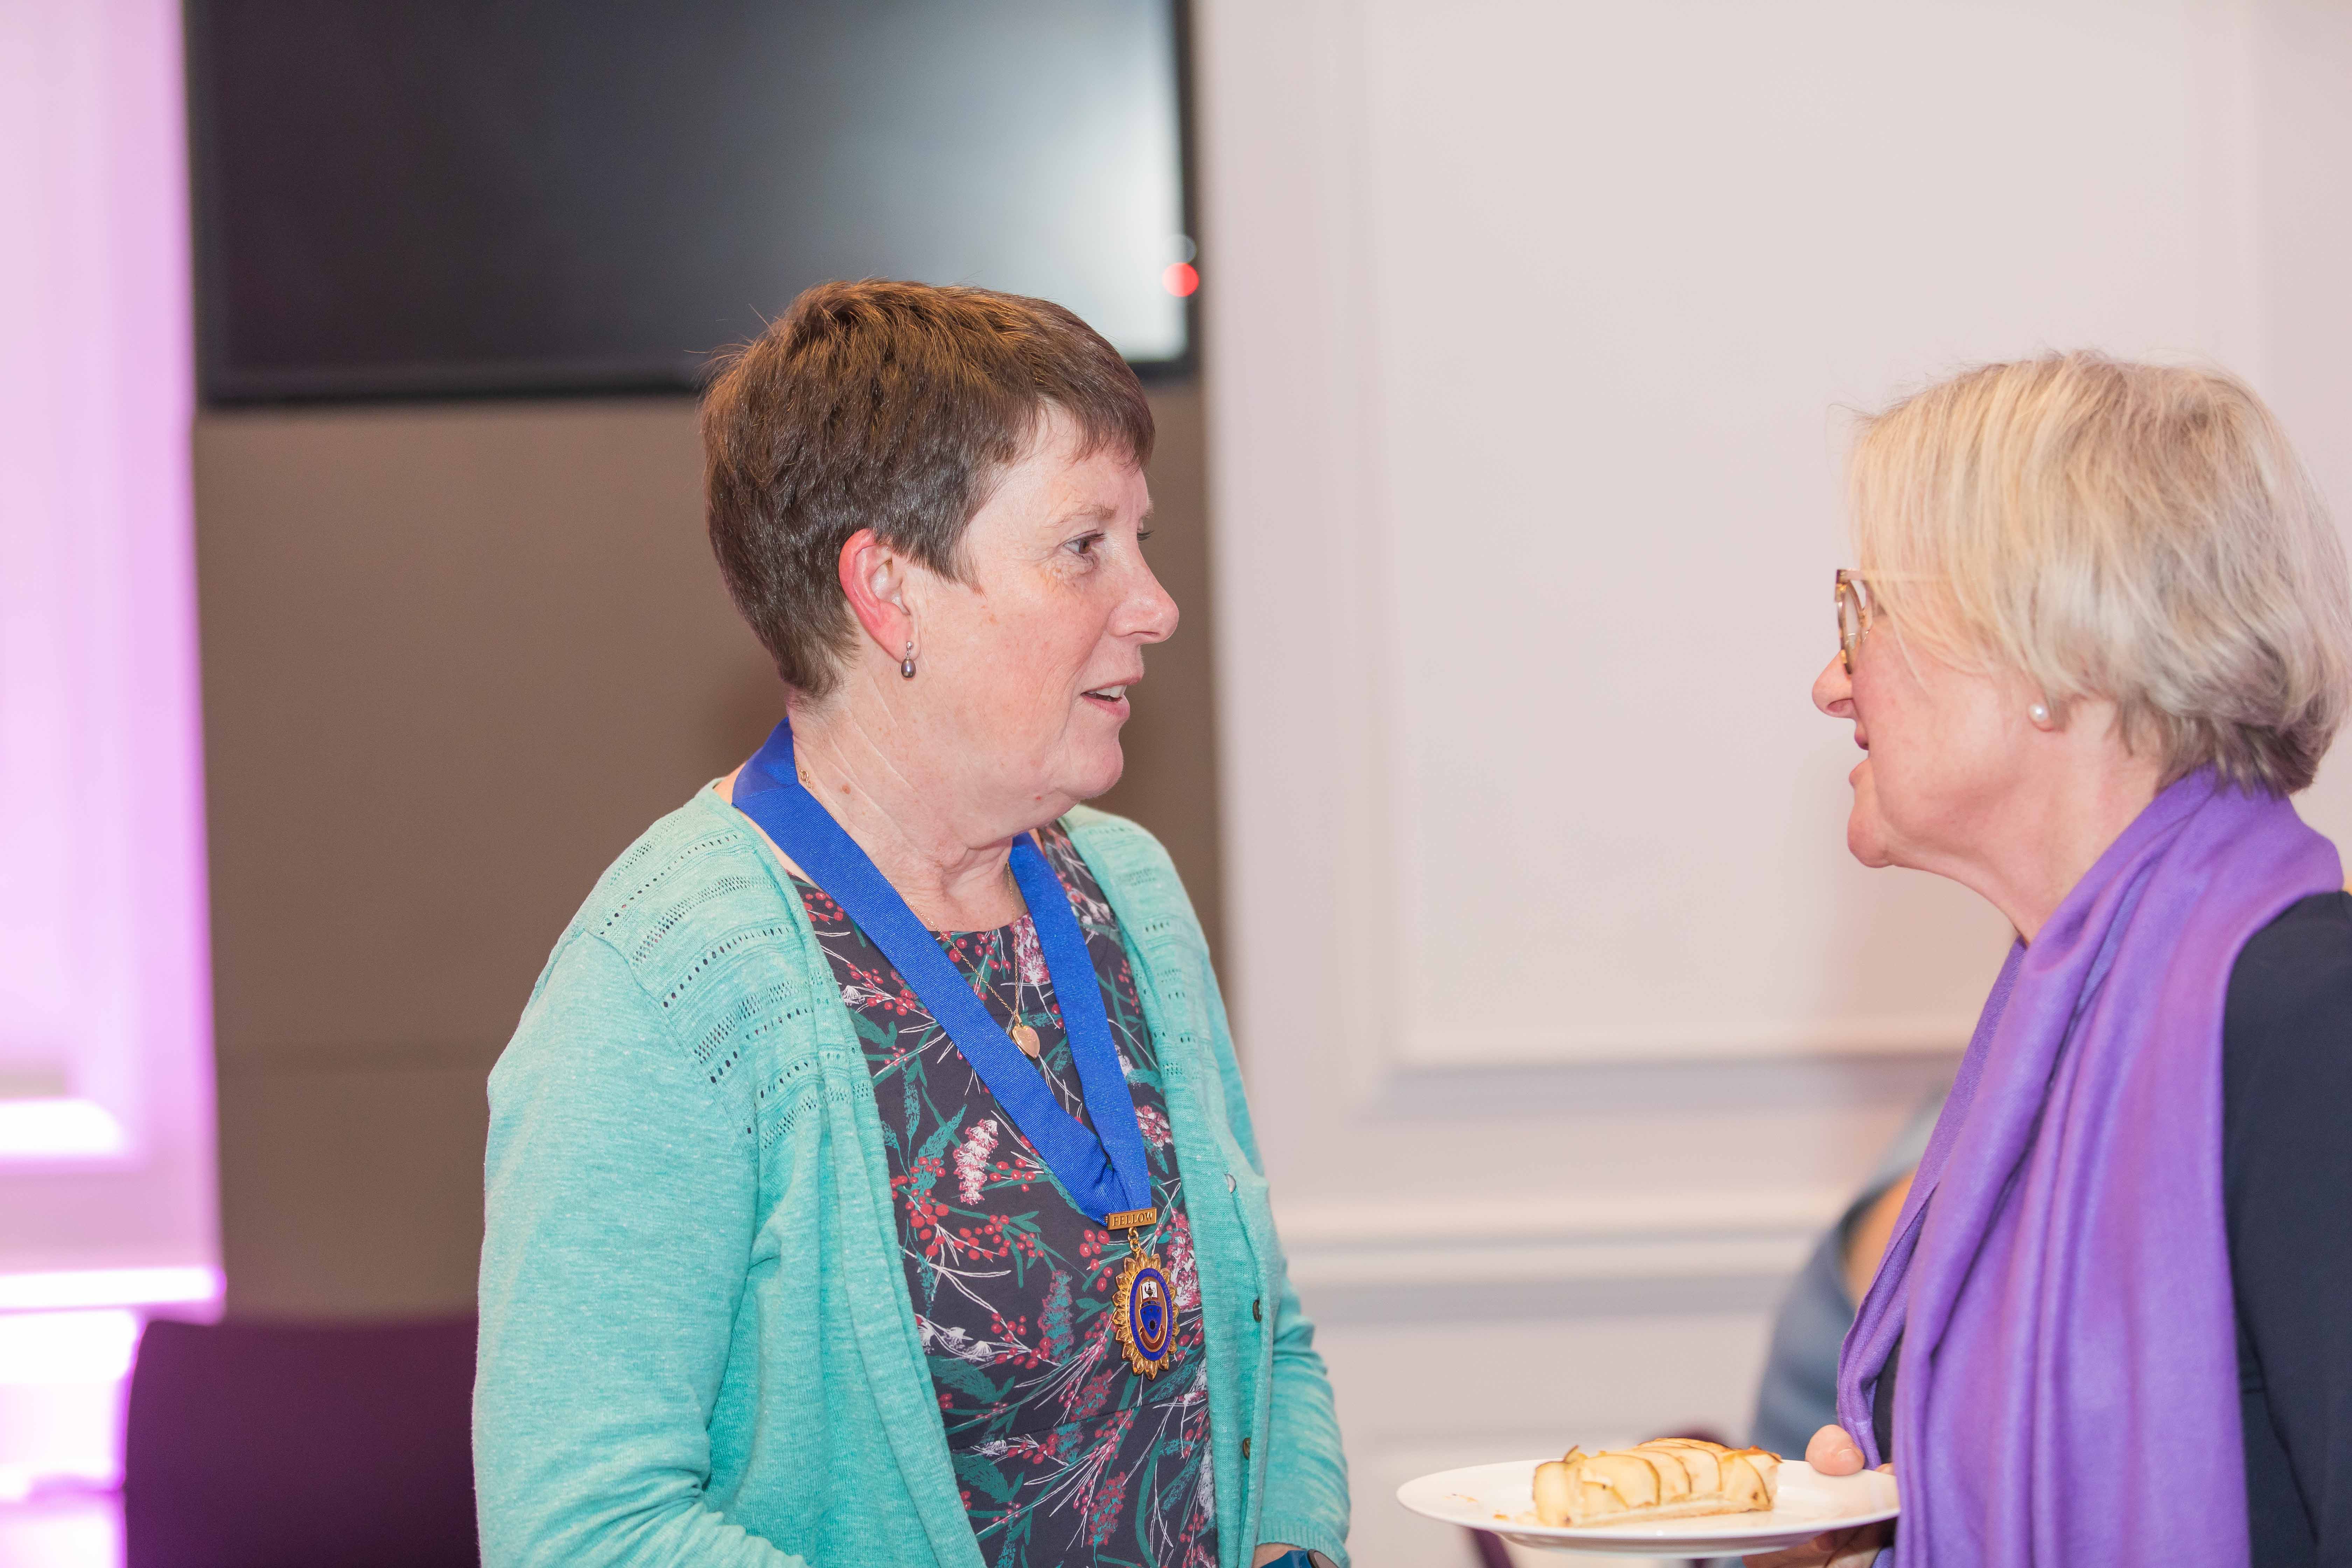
(2068, 1389)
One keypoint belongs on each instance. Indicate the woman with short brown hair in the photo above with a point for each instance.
(870, 1179)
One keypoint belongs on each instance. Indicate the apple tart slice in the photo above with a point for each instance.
(1671, 1477)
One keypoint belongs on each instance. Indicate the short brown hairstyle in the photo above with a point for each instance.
(893, 406)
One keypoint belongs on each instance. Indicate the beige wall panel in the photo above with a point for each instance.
(455, 657)
(352, 1191)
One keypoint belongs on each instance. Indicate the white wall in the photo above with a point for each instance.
(1529, 327)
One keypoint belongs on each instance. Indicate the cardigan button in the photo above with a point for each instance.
(1231, 1184)
(1257, 1310)
(1245, 1447)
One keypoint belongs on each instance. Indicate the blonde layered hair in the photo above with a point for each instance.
(2141, 534)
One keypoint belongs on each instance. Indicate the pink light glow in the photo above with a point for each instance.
(104, 987)
(106, 1186)
(66, 1347)
(61, 1399)
(66, 1290)
(63, 1532)
(57, 1130)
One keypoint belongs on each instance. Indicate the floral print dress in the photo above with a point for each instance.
(1063, 1455)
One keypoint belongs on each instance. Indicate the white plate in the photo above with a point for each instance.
(1501, 1498)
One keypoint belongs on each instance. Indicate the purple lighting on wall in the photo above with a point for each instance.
(106, 1206)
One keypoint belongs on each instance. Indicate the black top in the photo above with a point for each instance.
(2287, 1177)
(1065, 1454)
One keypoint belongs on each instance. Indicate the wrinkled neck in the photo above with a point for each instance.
(2054, 833)
(952, 867)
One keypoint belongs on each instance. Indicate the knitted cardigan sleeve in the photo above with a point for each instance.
(1305, 1497)
(613, 1177)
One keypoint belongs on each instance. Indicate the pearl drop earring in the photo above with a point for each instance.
(907, 665)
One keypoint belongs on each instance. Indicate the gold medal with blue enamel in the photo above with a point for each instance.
(1143, 1303)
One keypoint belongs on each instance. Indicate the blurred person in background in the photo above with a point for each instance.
(2098, 635)
(1798, 1394)
(870, 1179)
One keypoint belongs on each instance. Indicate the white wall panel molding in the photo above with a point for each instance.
(1687, 1042)
(1538, 1218)
(1555, 1238)
(1526, 481)
(1528, 328)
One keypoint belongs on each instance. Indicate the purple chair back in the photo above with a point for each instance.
(301, 1445)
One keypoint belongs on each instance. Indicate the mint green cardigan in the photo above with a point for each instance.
(696, 1346)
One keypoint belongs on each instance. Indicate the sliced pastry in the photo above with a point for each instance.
(1671, 1477)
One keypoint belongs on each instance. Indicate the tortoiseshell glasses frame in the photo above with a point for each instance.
(1854, 609)
(1853, 614)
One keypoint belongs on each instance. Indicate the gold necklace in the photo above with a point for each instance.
(1022, 1035)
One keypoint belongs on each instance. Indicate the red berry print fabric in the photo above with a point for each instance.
(1063, 1455)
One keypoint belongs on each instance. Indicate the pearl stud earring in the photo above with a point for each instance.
(2040, 714)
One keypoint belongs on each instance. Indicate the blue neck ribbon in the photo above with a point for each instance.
(1104, 1172)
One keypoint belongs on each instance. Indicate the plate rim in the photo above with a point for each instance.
(1621, 1535)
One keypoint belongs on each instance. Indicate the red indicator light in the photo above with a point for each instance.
(1181, 278)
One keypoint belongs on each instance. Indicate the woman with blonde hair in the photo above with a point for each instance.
(2098, 637)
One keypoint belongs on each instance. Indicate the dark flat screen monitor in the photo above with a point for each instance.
(456, 197)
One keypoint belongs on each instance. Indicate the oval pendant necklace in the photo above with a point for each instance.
(1022, 1035)
(1143, 1306)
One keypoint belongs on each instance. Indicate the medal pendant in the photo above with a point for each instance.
(1026, 1038)
(1143, 1310)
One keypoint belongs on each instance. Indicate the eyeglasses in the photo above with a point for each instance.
(1853, 614)
(1856, 611)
